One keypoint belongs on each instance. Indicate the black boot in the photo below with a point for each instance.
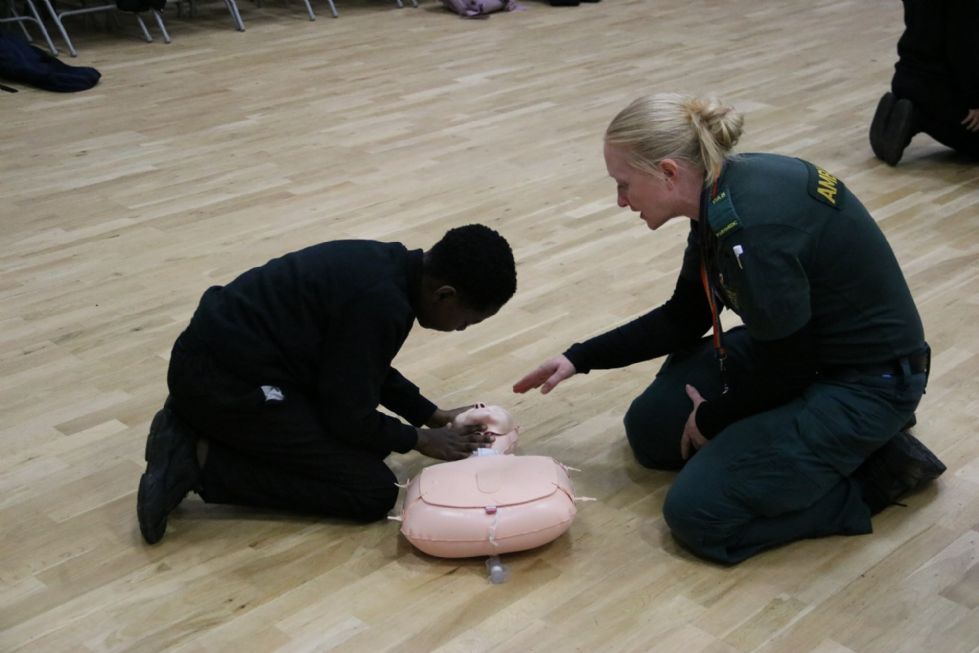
(901, 466)
(892, 128)
(171, 472)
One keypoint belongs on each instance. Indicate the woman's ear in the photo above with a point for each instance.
(669, 168)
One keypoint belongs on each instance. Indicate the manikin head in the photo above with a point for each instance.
(495, 420)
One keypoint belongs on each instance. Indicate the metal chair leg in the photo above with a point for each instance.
(16, 17)
(61, 28)
(309, 10)
(161, 26)
(40, 25)
(27, 35)
(142, 26)
(235, 15)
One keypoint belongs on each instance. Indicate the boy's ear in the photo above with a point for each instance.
(445, 292)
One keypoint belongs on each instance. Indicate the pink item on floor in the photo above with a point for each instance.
(488, 505)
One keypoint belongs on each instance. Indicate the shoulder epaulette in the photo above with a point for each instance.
(721, 215)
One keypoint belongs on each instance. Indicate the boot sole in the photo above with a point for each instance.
(878, 126)
(898, 135)
(152, 525)
(920, 465)
(152, 510)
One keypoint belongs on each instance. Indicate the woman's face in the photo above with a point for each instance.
(649, 195)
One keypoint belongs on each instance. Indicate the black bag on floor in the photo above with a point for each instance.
(138, 6)
(22, 62)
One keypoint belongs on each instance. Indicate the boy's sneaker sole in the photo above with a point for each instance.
(171, 472)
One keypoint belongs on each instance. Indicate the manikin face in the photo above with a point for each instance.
(650, 195)
(495, 419)
(444, 311)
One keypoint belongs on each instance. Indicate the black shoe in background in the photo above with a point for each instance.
(171, 472)
(892, 128)
(878, 126)
(901, 466)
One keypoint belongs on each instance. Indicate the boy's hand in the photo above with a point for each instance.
(443, 417)
(450, 443)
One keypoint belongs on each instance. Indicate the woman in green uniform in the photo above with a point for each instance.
(771, 424)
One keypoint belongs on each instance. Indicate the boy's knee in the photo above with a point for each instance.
(377, 499)
(378, 502)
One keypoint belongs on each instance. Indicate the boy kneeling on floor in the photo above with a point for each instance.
(275, 384)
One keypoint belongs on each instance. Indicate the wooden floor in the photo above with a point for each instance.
(193, 161)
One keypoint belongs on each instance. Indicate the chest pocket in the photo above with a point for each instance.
(729, 278)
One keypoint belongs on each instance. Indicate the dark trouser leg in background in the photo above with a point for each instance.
(274, 453)
(939, 111)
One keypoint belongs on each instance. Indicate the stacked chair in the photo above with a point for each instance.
(58, 14)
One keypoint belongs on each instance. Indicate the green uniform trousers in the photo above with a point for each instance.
(774, 477)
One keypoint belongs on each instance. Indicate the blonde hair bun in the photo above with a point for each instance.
(721, 121)
(702, 131)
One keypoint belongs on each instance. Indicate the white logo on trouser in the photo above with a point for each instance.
(273, 393)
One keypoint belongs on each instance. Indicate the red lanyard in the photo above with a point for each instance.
(715, 318)
(708, 290)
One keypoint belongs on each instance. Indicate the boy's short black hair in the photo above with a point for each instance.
(478, 263)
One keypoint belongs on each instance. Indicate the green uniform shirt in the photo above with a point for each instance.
(789, 244)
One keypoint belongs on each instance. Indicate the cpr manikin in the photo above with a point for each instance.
(491, 502)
